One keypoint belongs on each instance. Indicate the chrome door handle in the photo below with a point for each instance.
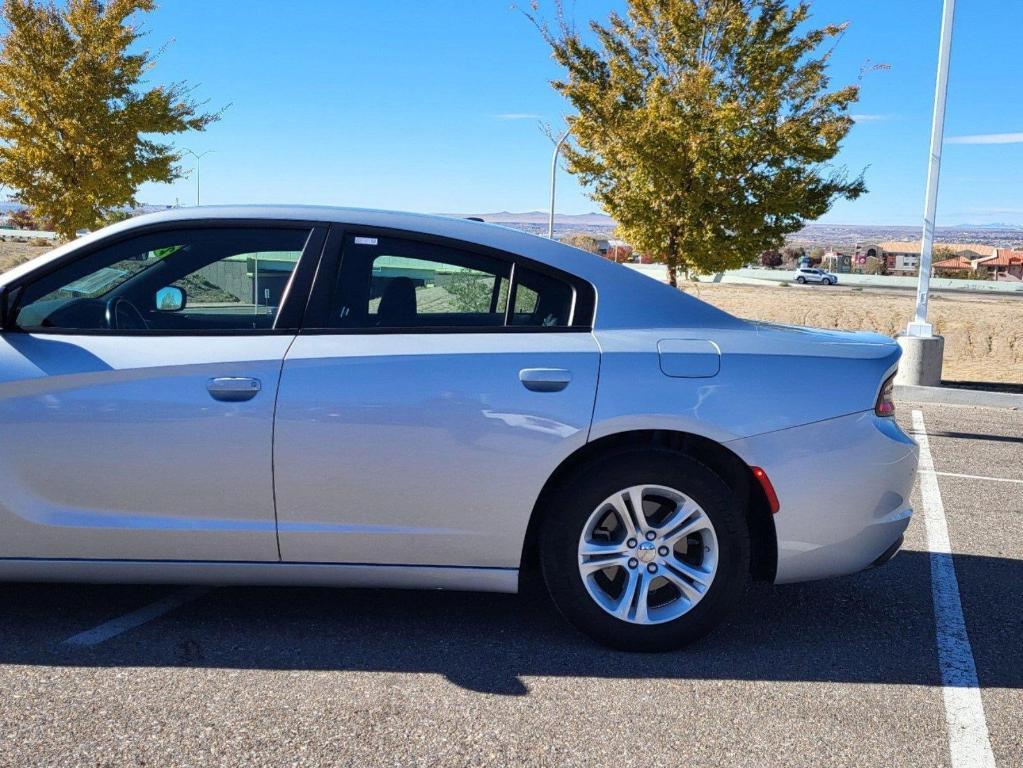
(545, 379)
(233, 389)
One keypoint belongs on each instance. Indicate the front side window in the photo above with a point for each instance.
(395, 283)
(177, 280)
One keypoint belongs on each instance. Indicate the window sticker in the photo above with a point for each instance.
(96, 282)
(365, 241)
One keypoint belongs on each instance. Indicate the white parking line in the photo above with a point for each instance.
(121, 624)
(968, 739)
(980, 477)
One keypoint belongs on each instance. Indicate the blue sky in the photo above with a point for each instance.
(434, 106)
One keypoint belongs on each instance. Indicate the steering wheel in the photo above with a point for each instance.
(122, 315)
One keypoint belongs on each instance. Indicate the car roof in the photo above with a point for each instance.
(625, 297)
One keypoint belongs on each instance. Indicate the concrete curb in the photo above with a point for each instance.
(952, 396)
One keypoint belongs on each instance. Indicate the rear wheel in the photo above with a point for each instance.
(645, 551)
(801, 280)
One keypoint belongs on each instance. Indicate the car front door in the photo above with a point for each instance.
(137, 388)
(420, 417)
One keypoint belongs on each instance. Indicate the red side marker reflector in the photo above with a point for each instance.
(765, 483)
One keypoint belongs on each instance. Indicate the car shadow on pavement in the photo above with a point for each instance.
(875, 627)
(978, 436)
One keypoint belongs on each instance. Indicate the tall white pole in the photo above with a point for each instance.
(920, 326)
(554, 179)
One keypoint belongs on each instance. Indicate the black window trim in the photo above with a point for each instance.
(583, 292)
(293, 301)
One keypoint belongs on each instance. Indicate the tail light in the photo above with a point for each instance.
(885, 405)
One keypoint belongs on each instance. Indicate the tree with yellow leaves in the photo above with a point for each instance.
(76, 129)
(705, 127)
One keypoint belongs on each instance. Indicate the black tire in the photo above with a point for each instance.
(583, 493)
(827, 281)
(801, 280)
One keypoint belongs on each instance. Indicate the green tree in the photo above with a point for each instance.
(705, 127)
(116, 215)
(471, 291)
(583, 241)
(76, 129)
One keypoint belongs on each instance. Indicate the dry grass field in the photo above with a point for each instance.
(983, 335)
(12, 254)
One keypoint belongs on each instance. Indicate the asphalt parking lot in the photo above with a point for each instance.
(841, 672)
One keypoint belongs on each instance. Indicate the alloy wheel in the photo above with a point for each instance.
(648, 554)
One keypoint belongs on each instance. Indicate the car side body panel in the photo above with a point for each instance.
(770, 378)
(423, 449)
(112, 447)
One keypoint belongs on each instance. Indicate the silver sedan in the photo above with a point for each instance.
(360, 398)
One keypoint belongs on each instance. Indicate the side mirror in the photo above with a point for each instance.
(170, 299)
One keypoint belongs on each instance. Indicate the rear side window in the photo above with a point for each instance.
(395, 283)
(541, 300)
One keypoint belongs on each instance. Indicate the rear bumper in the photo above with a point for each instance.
(844, 487)
(889, 553)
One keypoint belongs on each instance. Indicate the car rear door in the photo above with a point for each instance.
(428, 400)
(140, 430)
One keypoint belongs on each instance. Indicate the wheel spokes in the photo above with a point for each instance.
(634, 552)
(600, 562)
(633, 604)
(691, 582)
(641, 608)
(596, 549)
(695, 520)
(633, 527)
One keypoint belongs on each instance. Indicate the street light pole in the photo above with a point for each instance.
(554, 179)
(197, 159)
(919, 326)
(922, 351)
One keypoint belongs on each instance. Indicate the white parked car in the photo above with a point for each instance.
(359, 398)
(812, 275)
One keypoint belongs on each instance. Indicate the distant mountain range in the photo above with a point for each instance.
(540, 217)
(1002, 226)
(814, 233)
(845, 235)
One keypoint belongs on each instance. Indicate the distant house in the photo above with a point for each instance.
(954, 264)
(1004, 264)
(903, 257)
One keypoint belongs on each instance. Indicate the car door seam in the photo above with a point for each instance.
(596, 387)
(273, 446)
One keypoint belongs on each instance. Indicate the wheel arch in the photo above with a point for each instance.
(728, 465)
